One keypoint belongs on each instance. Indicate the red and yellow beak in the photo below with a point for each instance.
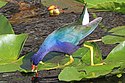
(34, 69)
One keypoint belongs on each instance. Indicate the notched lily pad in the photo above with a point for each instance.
(2, 3)
(10, 48)
(5, 26)
(70, 74)
(115, 35)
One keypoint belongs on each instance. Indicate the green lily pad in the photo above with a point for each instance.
(92, 4)
(70, 74)
(11, 66)
(117, 56)
(10, 48)
(106, 5)
(5, 26)
(115, 35)
(111, 6)
(2, 3)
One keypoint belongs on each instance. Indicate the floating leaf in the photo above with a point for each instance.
(106, 5)
(70, 74)
(117, 55)
(11, 66)
(97, 71)
(2, 3)
(5, 26)
(93, 4)
(115, 35)
(111, 6)
(10, 48)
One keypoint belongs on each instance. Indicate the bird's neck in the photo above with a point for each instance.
(42, 52)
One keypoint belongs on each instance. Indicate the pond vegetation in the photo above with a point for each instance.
(11, 45)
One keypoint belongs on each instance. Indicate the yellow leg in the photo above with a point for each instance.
(61, 66)
(41, 62)
(70, 61)
(91, 51)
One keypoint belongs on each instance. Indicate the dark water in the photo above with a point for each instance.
(52, 77)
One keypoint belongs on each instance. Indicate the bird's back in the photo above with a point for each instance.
(69, 33)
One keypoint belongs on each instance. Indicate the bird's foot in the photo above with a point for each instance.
(103, 63)
(56, 67)
(60, 66)
(35, 69)
(69, 62)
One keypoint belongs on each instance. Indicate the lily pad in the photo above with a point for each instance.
(2, 3)
(117, 56)
(11, 66)
(70, 74)
(106, 5)
(115, 35)
(10, 48)
(111, 6)
(5, 26)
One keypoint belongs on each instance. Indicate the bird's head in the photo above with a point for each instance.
(36, 58)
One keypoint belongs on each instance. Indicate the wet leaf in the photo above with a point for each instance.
(70, 74)
(10, 48)
(116, 56)
(106, 5)
(5, 26)
(2, 3)
(93, 4)
(11, 66)
(97, 71)
(115, 35)
(112, 6)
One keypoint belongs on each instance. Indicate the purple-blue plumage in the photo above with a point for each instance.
(66, 39)
(63, 47)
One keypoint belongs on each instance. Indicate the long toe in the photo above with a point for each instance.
(103, 63)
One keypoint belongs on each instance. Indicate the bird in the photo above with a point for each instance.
(67, 39)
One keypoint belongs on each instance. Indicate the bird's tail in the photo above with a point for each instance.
(84, 17)
(94, 23)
